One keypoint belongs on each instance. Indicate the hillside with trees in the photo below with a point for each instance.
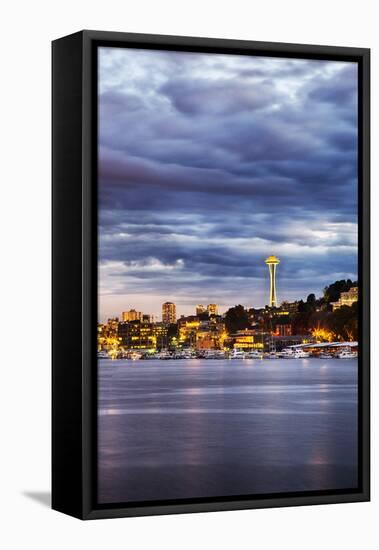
(314, 316)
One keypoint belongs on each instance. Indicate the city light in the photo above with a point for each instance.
(322, 335)
(213, 334)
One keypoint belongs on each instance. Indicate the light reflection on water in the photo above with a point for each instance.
(197, 428)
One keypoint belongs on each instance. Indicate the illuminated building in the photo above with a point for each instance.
(109, 329)
(210, 336)
(112, 324)
(264, 341)
(131, 315)
(272, 262)
(280, 313)
(283, 330)
(168, 313)
(137, 335)
(289, 307)
(212, 309)
(187, 329)
(161, 335)
(201, 334)
(346, 298)
(107, 335)
(248, 339)
(200, 309)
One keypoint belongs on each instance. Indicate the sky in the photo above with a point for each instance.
(209, 163)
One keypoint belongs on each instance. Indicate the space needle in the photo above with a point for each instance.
(272, 262)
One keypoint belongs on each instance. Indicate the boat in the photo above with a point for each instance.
(185, 354)
(325, 355)
(102, 355)
(253, 354)
(300, 354)
(133, 355)
(212, 354)
(286, 353)
(163, 354)
(294, 353)
(237, 354)
(347, 354)
(272, 349)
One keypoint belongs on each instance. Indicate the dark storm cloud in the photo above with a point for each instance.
(220, 97)
(210, 163)
(113, 103)
(343, 90)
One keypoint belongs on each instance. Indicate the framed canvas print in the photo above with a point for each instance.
(210, 274)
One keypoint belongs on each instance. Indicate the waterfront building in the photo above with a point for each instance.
(144, 336)
(346, 298)
(201, 334)
(107, 334)
(248, 339)
(210, 335)
(137, 335)
(204, 340)
(168, 313)
(161, 335)
(284, 329)
(212, 309)
(109, 329)
(281, 342)
(272, 262)
(264, 340)
(187, 329)
(131, 315)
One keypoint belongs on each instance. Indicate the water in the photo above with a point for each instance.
(198, 428)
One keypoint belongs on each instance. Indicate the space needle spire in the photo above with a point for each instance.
(272, 262)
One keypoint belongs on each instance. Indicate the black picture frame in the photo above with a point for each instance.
(74, 295)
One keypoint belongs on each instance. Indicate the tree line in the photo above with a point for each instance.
(313, 316)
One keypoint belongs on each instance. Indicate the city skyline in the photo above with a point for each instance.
(132, 314)
(346, 298)
(330, 320)
(169, 311)
(207, 163)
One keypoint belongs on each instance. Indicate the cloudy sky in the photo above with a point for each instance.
(209, 163)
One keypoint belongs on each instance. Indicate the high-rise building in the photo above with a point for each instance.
(212, 309)
(147, 318)
(161, 334)
(200, 309)
(272, 262)
(131, 315)
(168, 313)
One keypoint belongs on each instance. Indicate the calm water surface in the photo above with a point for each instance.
(201, 428)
